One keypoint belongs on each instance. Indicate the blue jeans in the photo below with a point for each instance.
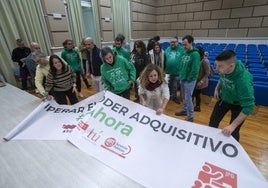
(173, 86)
(187, 89)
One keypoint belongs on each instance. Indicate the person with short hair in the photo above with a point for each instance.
(94, 63)
(188, 71)
(119, 49)
(19, 55)
(30, 63)
(173, 56)
(233, 92)
(117, 73)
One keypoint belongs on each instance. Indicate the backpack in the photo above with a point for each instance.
(211, 71)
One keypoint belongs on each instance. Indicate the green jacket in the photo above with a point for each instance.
(190, 65)
(122, 51)
(173, 58)
(116, 77)
(73, 59)
(237, 88)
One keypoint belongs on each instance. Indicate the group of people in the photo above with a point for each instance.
(155, 74)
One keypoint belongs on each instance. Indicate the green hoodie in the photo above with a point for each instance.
(190, 65)
(173, 58)
(237, 88)
(72, 57)
(122, 51)
(116, 77)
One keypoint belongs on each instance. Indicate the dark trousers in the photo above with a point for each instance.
(60, 96)
(78, 81)
(219, 111)
(125, 94)
(24, 73)
(83, 73)
(173, 86)
(196, 95)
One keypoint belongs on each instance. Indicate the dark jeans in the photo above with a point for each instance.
(24, 73)
(219, 111)
(125, 94)
(196, 95)
(60, 96)
(78, 81)
(173, 83)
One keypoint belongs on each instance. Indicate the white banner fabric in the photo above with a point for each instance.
(156, 151)
(51, 121)
(161, 151)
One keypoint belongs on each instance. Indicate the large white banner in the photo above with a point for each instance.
(51, 121)
(160, 151)
(156, 151)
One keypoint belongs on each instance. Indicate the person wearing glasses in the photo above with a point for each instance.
(234, 92)
(173, 56)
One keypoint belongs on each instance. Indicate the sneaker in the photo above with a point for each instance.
(197, 109)
(190, 119)
(36, 90)
(81, 95)
(181, 113)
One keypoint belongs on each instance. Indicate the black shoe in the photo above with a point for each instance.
(197, 109)
(181, 113)
(176, 100)
(190, 119)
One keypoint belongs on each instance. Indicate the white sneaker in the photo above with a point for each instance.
(36, 90)
(80, 95)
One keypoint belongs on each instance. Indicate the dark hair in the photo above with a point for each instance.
(156, 38)
(64, 44)
(52, 68)
(139, 44)
(190, 38)
(201, 51)
(19, 40)
(175, 37)
(105, 50)
(225, 55)
(119, 38)
(157, 44)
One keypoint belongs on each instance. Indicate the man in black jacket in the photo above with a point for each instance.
(94, 63)
(19, 55)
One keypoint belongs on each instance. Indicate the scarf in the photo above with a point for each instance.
(152, 86)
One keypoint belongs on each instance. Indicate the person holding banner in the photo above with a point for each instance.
(234, 92)
(117, 73)
(153, 88)
(62, 80)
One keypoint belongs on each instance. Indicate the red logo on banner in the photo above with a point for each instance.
(212, 176)
(83, 125)
(113, 146)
